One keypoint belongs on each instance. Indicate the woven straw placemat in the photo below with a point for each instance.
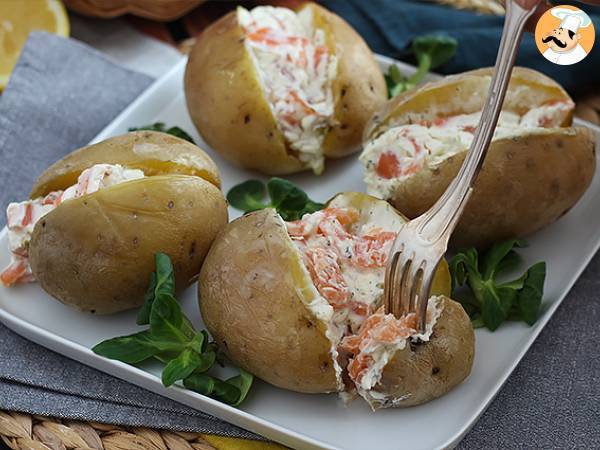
(30, 432)
(23, 431)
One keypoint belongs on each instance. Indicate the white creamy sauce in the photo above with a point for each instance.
(415, 146)
(365, 285)
(323, 311)
(382, 352)
(22, 217)
(296, 71)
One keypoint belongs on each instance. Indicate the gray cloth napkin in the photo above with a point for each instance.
(60, 96)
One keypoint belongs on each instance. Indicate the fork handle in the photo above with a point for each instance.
(442, 217)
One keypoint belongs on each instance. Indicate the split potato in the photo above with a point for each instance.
(96, 252)
(258, 118)
(280, 297)
(537, 167)
(422, 371)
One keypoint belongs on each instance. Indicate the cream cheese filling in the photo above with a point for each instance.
(342, 293)
(296, 71)
(382, 352)
(403, 150)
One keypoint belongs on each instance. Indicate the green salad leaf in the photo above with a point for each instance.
(289, 200)
(181, 367)
(171, 339)
(232, 391)
(166, 320)
(200, 383)
(143, 317)
(490, 302)
(226, 392)
(396, 81)
(431, 51)
(243, 382)
(207, 360)
(248, 196)
(160, 126)
(131, 349)
(162, 282)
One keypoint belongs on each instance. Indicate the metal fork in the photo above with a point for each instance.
(422, 242)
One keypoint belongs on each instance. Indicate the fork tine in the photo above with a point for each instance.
(405, 286)
(396, 287)
(396, 293)
(423, 295)
(390, 282)
(416, 287)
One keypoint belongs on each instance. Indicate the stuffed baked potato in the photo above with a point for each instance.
(279, 91)
(98, 216)
(298, 305)
(536, 169)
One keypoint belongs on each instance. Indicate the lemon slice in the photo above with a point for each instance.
(17, 19)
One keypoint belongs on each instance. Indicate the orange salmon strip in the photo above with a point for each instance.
(14, 273)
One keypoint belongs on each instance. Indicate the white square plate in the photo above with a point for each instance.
(300, 420)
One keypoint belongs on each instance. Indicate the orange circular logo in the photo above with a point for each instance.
(564, 35)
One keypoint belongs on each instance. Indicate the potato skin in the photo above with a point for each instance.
(422, 372)
(251, 299)
(527, 181)
(153, 152)
(359, 88)
(227, 105)
(96, 252)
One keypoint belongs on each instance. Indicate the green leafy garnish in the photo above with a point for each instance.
(171, 339)
(490, 302)
(243, 382)
(431, 51)
(157, 287)
(396, 81)
(129, 349)
(160, 126)
(181, 367)
(289, 200)
(247, 196)
(231, 391)
(143, 317)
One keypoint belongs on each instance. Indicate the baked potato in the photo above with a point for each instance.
(536, 169)
(279, 91)
(287, 301)
(98, 216)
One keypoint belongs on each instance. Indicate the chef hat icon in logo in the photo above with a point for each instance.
(564, 35)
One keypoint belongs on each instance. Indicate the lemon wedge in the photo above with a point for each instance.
(17, 19)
